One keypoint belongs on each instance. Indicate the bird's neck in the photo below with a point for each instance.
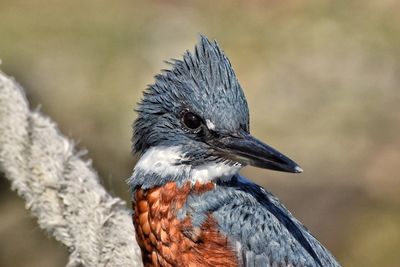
(161, 165)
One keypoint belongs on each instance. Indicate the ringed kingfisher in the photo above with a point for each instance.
(191, 206)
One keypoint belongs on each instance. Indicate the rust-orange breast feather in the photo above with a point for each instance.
(167, 241)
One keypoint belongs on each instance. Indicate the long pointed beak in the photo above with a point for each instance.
(248, 150)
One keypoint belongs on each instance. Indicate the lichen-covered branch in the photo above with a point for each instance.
(60, 188)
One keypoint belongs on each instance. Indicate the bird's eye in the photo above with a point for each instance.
(191, 120)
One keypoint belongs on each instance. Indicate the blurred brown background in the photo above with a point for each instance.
(322, 80)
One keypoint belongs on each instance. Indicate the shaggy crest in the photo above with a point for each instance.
(204, 76)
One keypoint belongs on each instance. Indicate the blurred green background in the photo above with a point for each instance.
(322, 79)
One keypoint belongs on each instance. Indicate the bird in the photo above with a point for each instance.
(191, 207)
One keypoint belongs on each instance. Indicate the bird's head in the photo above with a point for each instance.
(193, 124)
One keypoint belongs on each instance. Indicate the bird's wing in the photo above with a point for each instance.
(262, 230)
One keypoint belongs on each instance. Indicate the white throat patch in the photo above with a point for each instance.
(164, 161)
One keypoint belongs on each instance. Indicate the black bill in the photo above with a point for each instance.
(248, 150)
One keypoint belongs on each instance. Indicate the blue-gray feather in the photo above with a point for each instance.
(257, 225)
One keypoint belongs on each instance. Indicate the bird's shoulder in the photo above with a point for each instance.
(261, 230)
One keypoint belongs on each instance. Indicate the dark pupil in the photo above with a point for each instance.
(191, 120)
